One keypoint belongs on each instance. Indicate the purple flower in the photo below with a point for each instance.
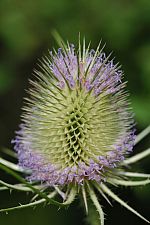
(76, 133)
(76, 123)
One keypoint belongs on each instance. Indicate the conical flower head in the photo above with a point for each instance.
(76, 124)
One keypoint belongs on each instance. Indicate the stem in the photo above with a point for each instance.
(14, 187)
(29, 204)
(35, 190)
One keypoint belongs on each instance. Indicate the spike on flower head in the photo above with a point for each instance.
(76, 124)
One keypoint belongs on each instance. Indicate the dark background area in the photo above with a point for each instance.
(26, 34)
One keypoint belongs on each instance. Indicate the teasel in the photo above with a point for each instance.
(77, 131)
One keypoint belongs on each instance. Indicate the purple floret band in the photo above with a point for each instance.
(50, 174)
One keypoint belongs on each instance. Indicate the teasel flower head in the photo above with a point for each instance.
(77, 126)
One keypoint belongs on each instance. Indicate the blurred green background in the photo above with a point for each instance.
(26, 34)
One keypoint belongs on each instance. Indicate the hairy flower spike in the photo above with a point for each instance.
(76, 124)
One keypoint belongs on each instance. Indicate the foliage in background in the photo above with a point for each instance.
(25, 33)
(26, 27)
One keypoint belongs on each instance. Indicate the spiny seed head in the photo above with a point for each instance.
(76, 123)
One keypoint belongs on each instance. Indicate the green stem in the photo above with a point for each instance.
(31, 204)
(35, 190)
